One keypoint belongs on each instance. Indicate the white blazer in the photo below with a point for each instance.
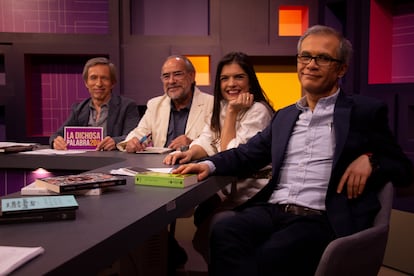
(157, 117)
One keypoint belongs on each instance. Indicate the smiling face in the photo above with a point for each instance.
(233, 81)
(177, 80)
(320, 80)
(99, 83)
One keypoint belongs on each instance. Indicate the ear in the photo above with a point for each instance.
(192, 75)
(342, 69)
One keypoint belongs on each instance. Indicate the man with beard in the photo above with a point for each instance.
(172, 120)
(176, 118)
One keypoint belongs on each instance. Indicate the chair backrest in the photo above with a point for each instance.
(361, 253)
(385, 196)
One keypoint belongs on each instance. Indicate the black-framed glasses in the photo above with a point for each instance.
(320, 60)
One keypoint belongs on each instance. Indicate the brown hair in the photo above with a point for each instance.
(96, 61)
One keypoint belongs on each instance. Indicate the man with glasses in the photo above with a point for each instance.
(117, 115)
(331, 153)
(176, 118)
(172, 120)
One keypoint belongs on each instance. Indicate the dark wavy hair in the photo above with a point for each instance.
(244, 62)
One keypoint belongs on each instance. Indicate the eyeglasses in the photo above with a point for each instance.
(177, 75)
(319, 60)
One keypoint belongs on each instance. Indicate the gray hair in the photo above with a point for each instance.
(345, 47)
(188, 64)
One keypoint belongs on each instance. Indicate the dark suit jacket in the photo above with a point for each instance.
(122, 118)
(361, 126)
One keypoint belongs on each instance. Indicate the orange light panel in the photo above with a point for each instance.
(293, 20)
(282, 88)
(202, 66)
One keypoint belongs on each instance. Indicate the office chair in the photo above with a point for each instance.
(361, 253)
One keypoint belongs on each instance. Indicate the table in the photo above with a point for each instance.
(106, 226)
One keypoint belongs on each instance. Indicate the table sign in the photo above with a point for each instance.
(83, 138)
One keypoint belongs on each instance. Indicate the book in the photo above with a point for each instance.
(11, 147)
(163, 179)
(70, 183)
(128, 171)
(12, 257)
(17, 206)
(158, 150)
(32, 189)
(82, 138)
(39, 216)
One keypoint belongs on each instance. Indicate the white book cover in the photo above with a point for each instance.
(157, 150)
(11, 257)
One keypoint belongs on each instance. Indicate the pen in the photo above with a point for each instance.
(145, 138)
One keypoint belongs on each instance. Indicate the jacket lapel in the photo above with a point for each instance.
(163, 120)
(281, 135)
(341, 120)
(195, 111)
(113, 110)
(83, 112)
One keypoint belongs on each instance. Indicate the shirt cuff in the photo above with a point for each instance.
(211, 166)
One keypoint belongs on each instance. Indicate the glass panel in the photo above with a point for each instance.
(54, 84)
(379, 59)
(2, 124)
(392, 27)
(402, 49)
(166, 17)
(2, 71)
(54, 16)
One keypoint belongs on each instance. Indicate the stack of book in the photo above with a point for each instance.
(83, 184)
(38, 208)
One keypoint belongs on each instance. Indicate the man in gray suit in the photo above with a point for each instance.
(116, 114)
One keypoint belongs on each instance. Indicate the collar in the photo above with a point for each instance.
(302, 104)
(105, 104)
